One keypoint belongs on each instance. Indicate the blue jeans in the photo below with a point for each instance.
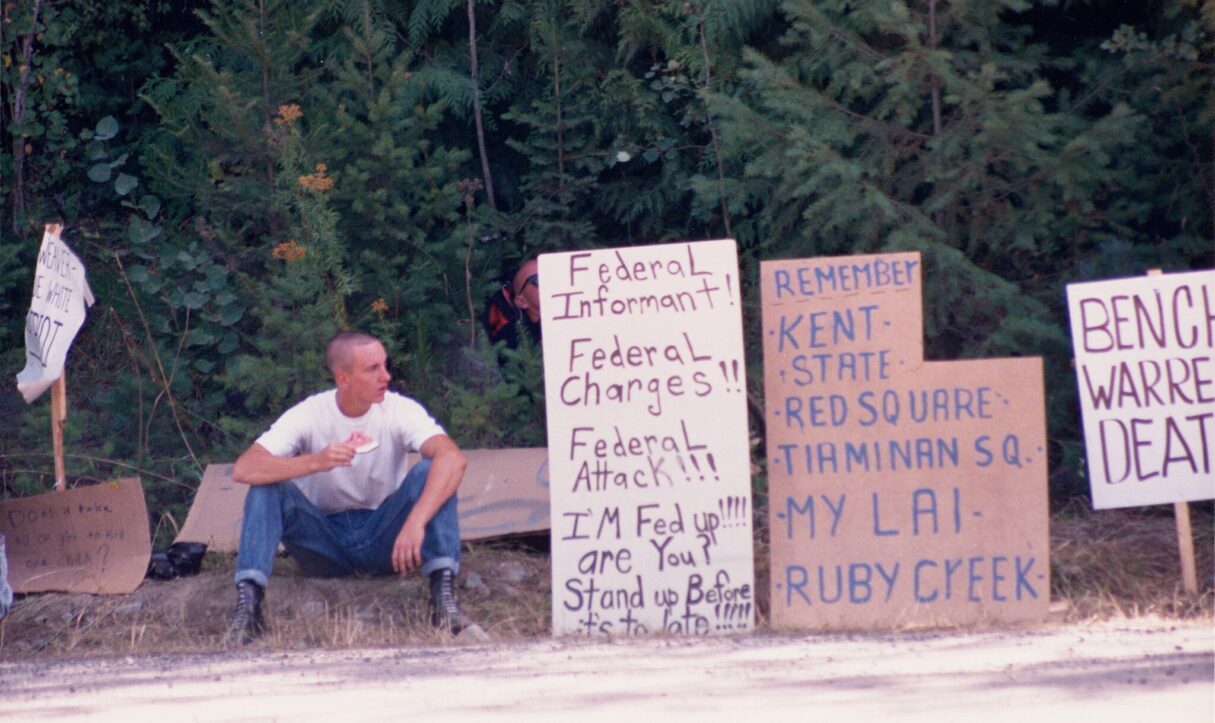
(340, 543)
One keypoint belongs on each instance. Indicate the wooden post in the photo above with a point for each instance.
(1185, 531)
(1185, 543)
(58, 417)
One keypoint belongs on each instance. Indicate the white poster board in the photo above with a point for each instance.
(1145, 368)
(60, 299)
(649, 464)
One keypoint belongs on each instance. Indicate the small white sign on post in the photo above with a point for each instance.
(1145, 368)
(60, 300)
(649, 465)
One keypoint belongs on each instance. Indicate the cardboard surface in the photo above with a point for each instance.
(902, 492)
(647, 426)
(90, 539)
(505, 492)
(1145, 371)
(215, 514)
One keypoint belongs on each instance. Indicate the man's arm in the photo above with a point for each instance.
(447, 465)
(257, 466)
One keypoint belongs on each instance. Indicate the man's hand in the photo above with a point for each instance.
(337, 454)
(407, 550)
(447, 465)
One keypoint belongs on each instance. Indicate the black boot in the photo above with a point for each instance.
(445, 612)
(247, 622)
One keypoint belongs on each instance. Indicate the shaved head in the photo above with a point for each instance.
(338, 351)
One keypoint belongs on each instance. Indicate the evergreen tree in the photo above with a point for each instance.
(930, 127)
(693, 49)
(1165, 194)
(562, 145)
(301, 302)
(1019, 145)
(216, 147)
(229, 158)
(395, 192)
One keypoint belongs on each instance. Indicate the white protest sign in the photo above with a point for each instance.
(60, 299)
(649, 466)
(1145, 367)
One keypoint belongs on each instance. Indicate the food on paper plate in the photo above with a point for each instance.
(362, 442)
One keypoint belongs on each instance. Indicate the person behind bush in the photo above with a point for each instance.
(331, 480)
(515, 304)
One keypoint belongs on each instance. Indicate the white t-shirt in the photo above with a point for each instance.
(398, 424)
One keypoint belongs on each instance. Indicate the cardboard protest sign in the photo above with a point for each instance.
(648, 450)
(901, 492)
(1145, 368)
(215, 514)
(60, 299)
(505, 492)
(90, 539)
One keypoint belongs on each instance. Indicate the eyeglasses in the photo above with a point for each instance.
(534, 280)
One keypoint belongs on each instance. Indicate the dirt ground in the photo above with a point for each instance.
(498, 585)
(1107, 566)
(1122, 644)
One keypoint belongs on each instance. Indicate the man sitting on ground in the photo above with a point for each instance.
(332, 481)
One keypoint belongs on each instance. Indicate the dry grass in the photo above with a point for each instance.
(1125, 563)
(1116, 564)
(503, 586)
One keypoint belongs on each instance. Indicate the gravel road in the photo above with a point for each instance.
(1136, 670)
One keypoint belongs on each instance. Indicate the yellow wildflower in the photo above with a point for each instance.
(288, 251)
(288, 113)
(380, 307)
(317, 181)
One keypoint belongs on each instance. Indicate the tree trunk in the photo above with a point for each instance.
(933, 79)
(476, 88)
(557, 105)
(721, 169)
(18, 117)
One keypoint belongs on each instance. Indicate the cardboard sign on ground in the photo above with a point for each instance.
(1145, 368)
(902, 492)
(215, 514)
(505, 492)
(648, 449)
(90, 539)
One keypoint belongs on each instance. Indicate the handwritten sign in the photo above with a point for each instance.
(648, 451)
(90, 539)
(902, 492)
(1145, 367)
(504, 492)
(60, 300)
